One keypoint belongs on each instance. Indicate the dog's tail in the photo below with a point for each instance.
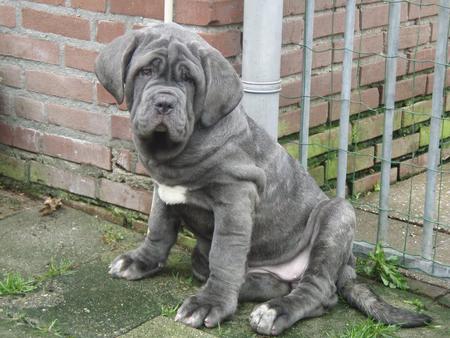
(361, 296)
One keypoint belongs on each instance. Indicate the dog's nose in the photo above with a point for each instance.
(165, 105)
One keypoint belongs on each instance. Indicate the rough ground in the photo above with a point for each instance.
(86, 302)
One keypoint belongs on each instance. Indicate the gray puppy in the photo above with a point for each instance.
(265, 231)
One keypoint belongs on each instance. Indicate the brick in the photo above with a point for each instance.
(331, 23)
(375, 72)
(366, 45)
(400, 146)
(208, 12)
(430, 81)
(70, 26)
(121, 127)
(227, 42)
(329, 83)
(444, 132)
(8, 16)
(80, 58)
(13, 168)
(318, 173)
(362, 100)
(140, 169)
(77, 150)
(416, 11)
(103, 96)
(124, 195)
(413, 166)
(11, 75)
(109, 30)
(372, 127)
(29, 48)
(90, 5)
(50, 2)
(123, 159)
(293, 7)
(27, 139)
(326, 141)
(59, 85)
(292, 31)
(62, 179)
(360, 160)
(289, 122)
(409, 88)
(83, 120)
(290, 93)
(413, 36)
(149, 9)
(29, 109)
(434, 31)
(378, 15)
(6, 134)
(369, 182)
(416, 113)
(421, 59)
(5, 104)
(292, 60)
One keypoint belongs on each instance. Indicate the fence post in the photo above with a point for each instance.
(168, 10)
(261, 58)
(389, 99)
(306, 82)
(345, 96)
(429, 215)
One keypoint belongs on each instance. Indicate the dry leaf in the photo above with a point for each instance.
(51, 204)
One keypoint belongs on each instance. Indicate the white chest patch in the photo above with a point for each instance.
(172, 195)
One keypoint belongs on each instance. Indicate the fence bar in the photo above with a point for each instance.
(389, 99)
(429, 215)
(306, 80)
(345, 96)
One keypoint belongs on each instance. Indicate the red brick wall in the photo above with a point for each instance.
(60, 128)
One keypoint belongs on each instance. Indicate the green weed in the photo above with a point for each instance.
(169, 310)
(369, 329)
(417, 303)
(64, 267)
(15, 284)
(112, 236)
(381, 268)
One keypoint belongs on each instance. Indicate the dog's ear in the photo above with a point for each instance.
(223, 88)
(112, 62)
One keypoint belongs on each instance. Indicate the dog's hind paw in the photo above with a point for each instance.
(130, 266)
(269, 319)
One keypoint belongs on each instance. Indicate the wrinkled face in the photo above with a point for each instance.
(173, 82)
(165, 82)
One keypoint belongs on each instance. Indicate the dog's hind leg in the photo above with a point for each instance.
(260, 287)
(334, 221)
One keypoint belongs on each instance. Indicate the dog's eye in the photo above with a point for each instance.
(147, 71)
(185, 75)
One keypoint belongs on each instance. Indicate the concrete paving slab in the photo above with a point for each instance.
(12, 203)
(89, 303)
(406, 198)
(402, 236)
(163, 327)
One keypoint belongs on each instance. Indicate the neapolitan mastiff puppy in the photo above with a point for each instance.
(265, 231)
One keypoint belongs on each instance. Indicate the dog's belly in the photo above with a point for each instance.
(288, 271)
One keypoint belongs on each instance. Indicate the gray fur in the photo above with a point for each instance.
(247, 201)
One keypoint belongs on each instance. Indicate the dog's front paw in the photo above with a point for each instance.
(203, 310)
(130, 266)
(271, 318)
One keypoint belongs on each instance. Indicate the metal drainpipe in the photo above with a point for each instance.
(261, 61)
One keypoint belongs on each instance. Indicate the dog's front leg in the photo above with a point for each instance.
(150, 256)
(217, 300)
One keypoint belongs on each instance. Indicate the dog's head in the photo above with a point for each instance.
(173, 82)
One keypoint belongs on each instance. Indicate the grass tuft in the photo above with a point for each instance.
(63, 267)
(15, 284)
(377, 266)
(112, 236)
(169, 310)
(369, 329)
